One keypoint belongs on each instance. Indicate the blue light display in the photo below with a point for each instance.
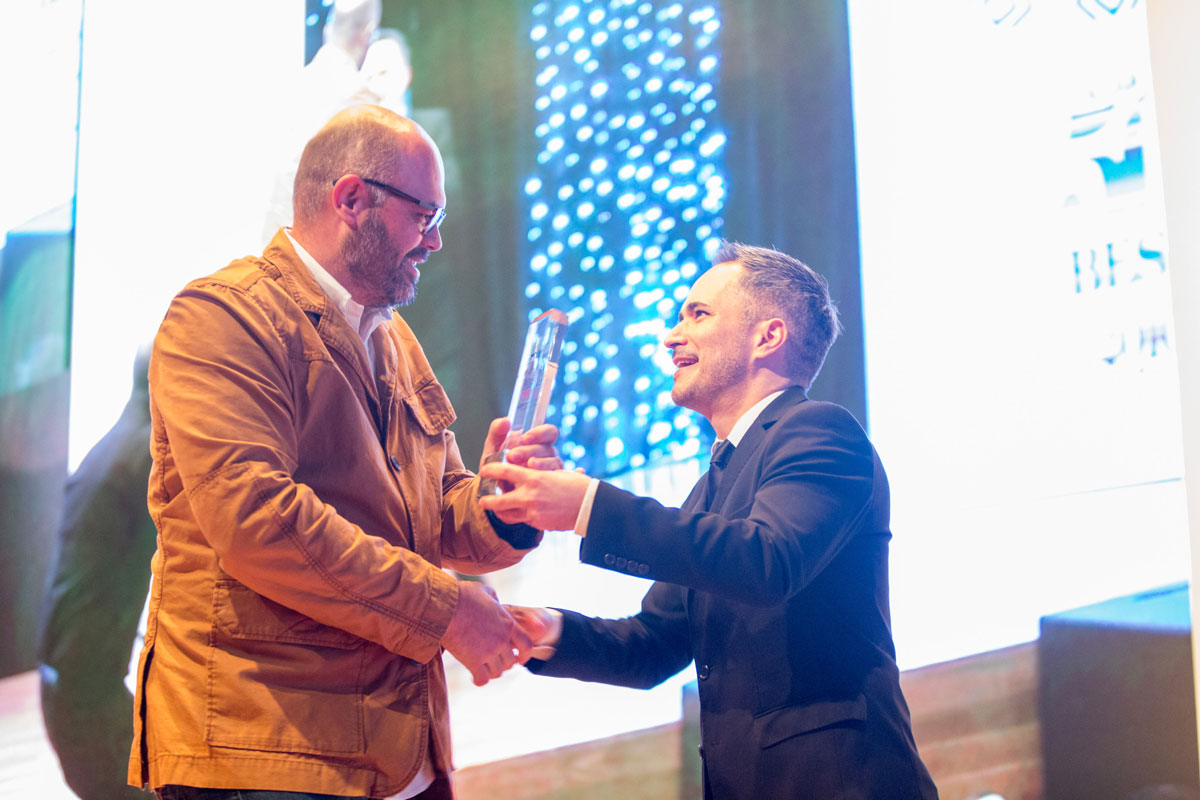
(624, 209)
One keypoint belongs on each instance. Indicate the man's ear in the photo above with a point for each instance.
(769, 337)
(350, 199)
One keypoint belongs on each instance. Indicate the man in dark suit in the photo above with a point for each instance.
(772, 577)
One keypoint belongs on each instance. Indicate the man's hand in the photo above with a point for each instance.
(542, 625)
(482, 635)
(549, 500)
(533, 448)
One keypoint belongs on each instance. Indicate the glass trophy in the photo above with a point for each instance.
(535, 381)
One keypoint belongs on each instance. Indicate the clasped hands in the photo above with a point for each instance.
(486, 637)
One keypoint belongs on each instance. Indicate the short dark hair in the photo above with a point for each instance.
(776, 285)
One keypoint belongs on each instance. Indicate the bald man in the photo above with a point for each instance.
(308, 493)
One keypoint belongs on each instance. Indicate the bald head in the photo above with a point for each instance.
(369, 141)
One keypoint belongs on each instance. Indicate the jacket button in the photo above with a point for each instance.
(702, 672)
(609, 558)
(620, 562)
(395, 463)
(643, 570)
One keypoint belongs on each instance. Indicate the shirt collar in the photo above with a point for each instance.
(362, 319)
(747, 419)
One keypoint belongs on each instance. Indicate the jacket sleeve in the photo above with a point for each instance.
(640, 651)
(473, 541)
(791, 510)
(221, 391)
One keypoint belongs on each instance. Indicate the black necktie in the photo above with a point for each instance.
(712, 480)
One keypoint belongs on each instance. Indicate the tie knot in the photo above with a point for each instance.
(721, 453)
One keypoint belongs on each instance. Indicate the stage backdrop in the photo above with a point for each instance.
(1021, 367)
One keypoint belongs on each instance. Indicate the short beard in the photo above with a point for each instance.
(374, 262)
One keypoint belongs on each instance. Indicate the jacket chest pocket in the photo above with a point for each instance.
(416, 453)
(297, 681)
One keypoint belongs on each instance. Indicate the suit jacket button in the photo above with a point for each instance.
(643, 570)
(620, 562)
(395, 463)
(702, 672)
(609, 559)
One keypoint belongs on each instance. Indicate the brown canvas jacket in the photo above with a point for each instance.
(304, 510)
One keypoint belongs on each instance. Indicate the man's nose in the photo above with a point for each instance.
(432, 239)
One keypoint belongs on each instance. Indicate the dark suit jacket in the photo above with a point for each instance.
(780, 595)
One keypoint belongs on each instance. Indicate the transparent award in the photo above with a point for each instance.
(535, 381)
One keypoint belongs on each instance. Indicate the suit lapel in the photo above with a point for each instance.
(751, 443)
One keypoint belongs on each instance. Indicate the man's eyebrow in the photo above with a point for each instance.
(690, 306)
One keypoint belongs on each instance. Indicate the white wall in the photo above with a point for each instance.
(1174, 30)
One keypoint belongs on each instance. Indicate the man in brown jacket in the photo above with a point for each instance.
(307, 493)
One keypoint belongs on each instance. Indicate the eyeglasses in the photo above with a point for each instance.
(439, 213)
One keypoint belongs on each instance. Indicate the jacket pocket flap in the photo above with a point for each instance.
(242, 613)
(775, 726)
(430, 407)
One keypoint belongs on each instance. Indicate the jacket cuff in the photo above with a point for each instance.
(518, 535)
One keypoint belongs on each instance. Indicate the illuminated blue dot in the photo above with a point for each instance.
(599, 38)
(546, 75)
(640, 229)
(708, 63)
(595, 243)
(566, 191)
(644, 172)
(539, 210)
(598, 89)
(712, 144)
(555, 249)
(681, 166)
(658, 432)
(585, 210)
(575, 239)
(641, 385)
(532, 289)
(634, 276)
(538, 33)
(654, 84)
(636, 121)
(636, 151)
(542, 103)
(555, 144)
(557, 119)
(610, 376)
(558, 92)
(712, 26)
(606, 263)
(604, 187)
(574, 36)
(614, 447)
